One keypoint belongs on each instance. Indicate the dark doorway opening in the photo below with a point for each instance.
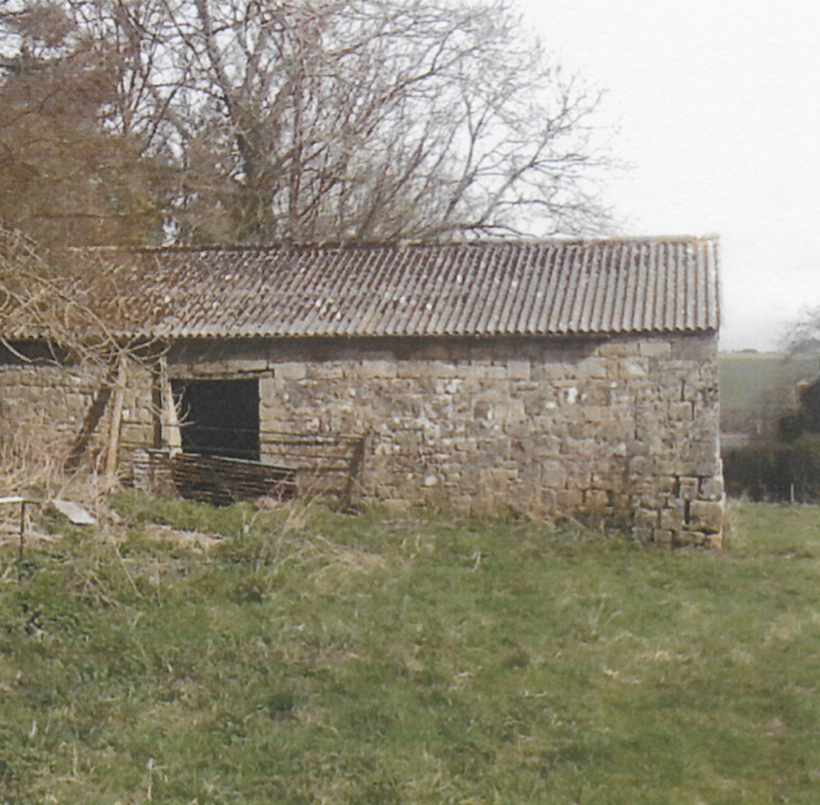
(219, 417)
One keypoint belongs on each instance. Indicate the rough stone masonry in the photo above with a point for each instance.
(624, 429)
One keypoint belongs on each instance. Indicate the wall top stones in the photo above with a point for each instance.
(229, 357)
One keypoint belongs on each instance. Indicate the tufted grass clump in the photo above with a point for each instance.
(233, 656)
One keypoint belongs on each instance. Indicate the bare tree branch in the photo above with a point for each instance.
(344, 119)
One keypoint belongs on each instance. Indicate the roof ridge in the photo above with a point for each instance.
(396, 244)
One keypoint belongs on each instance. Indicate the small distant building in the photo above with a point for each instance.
(809, 395)
(561, 377)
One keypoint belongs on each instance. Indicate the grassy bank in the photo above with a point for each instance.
(307, 657)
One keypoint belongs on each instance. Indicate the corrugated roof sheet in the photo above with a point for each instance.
(554, 287)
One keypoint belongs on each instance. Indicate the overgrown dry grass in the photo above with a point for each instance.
(215, 656)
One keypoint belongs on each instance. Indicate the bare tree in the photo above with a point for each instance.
(349, 119)
(804, 336)
(383, 120)
(66, 174)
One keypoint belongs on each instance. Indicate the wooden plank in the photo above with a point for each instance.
(169, 416)
(113, 451)
(92, 418)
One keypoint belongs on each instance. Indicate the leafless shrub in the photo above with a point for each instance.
(48, 323)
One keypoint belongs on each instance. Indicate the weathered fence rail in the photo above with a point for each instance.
(292, 465)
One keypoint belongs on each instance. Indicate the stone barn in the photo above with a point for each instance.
(560, 377)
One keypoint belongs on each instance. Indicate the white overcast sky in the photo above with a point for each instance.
(717, 106)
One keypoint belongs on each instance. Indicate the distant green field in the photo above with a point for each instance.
(305, 657)
(756, 389)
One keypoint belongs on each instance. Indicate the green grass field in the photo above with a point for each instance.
(306, 657)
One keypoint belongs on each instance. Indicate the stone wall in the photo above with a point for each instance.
(43, 407)
(623, 429)
(620, 429)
